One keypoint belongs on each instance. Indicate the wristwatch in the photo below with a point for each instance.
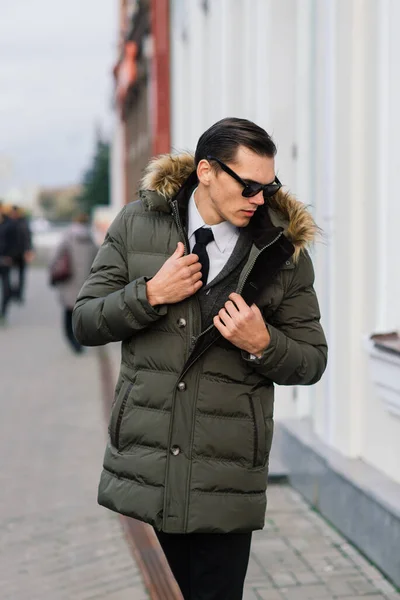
(257, 359)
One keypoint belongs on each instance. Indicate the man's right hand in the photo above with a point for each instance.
(178, 278)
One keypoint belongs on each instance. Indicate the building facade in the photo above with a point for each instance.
(141, 75)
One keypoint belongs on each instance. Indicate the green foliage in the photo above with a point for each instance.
(96, 180)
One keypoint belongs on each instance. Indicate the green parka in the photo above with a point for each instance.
(191, 425)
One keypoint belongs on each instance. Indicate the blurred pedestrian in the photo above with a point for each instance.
(208, 283)
(6, 239)
(21, 252)
(77, 251)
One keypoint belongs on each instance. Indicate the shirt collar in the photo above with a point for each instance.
(223, 232)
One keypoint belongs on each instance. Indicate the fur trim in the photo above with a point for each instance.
(165, 174)
(300, 227)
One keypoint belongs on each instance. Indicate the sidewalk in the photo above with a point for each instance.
(56, 543)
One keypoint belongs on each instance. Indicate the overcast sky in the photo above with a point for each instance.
(56, 61)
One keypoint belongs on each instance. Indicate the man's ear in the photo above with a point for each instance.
(204, 172)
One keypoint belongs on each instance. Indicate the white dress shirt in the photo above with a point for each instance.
(225, 238)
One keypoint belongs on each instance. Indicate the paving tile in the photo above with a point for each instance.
(283, 579)
(268, 594)
(249, 594)
(308, 592)
(306, 577)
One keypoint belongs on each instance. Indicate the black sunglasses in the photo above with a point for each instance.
(250, 189)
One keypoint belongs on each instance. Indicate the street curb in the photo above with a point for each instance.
(142, 541)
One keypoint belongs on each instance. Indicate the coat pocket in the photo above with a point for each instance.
(118, 412)
(260, 443)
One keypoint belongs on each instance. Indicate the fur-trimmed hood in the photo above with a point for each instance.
(166, 174)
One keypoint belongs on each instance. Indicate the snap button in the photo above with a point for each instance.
(181, 322)
(181, 386)
(288, 262)
(175, 450)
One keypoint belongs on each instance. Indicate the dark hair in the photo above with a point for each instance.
(223, 139)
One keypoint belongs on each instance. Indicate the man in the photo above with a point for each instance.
(207, 282)
(6, 240)
(21, 250)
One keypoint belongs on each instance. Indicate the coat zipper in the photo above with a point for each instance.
(121, 414)
(180, 226)
(255, 430)
(238, 291)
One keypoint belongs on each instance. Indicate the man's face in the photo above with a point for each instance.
(223, 194)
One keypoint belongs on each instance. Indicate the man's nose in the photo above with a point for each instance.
(258, 199)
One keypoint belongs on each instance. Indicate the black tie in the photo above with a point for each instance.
(203, 237)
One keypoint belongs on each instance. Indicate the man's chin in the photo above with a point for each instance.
(242, 221)
(239, 219)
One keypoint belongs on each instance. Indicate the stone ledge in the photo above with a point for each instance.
(362, 503)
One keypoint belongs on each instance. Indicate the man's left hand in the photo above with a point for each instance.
(243, 325)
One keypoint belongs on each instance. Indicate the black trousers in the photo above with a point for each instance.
(69, 333)
(20, 264)
(5, 289)
(208, 566)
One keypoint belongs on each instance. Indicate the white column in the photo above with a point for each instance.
(211, 64)
(261, 62)
(247, 75)
(281, 56)
(304, 140)
(390, 208)
(276, 105)
(305, 100)
(324, 171)
(225, 29)
(356, 211)
(215, 63)
(197, 80)
(383, 157)
(179, 65)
